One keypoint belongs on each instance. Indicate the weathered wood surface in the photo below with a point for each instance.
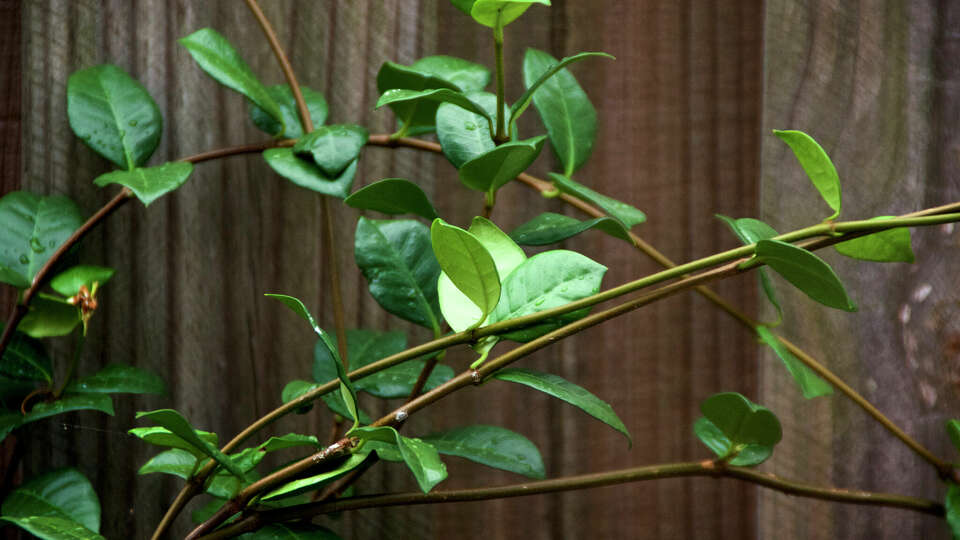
(877, 84)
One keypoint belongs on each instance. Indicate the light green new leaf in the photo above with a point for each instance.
(333, 148)
(751, 231)
(53, 528)
(806, 272)
(501, 12)
(490, 171)
(117, 378)
(114, 115)
(952, 504)
(565, 390)
(291, 127)
(64, 493)
(24, 359)
(492, 446)
(468, 264)
(625, 213)
(49, 316)
(307, 174)
(178, 425)
(313, 482)
(548, 280)
(149, 183)
(397, 260)
(291, 531)
(32, 227)
(393, 196)
(161, 436)
(466, 75)
(891, 245)
(220, 60)
(69, 281)
(809, 382)
(549, 228)
(464, 135)
(421, 458)
(438, 95)
(67, 403)
(816, 163)
(732, 424)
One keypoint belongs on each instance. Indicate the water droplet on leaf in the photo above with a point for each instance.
(36, 246)
(24, 259)
(470, 126)
(133, 123)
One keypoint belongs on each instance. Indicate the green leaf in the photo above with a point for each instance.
(149, 183)
(952, 504)
(565, 390)
(751, 231)
(806, 272)
(549, 228)
(464, 135)
(291, 531)
(290, 440)
(307, 175)
(183, 464)
(313, 482)
(465, 75)
(468, 265)
(24, 359)
(626, 214)
(816, 163)
(32, 227)
(161, 436)
(809, 382)
(53, 528)
(548, 280)
(463, 5)
(290, 127)
(179, 426)
(953, 430)
(397, 260)
(438, 95)
(114, 115)
(490, 171)
(767, 286)
(485, 12)
(564, 107)
(421, 458)
(891, 245)
(220, 60)
(67, 403)
(733, 425)
(9, 421)
(49, 316)
(492, 446)
(416, 113)
(333, 148)
(64, 493)
(393, 196)
(68, 282)
(117, 378)
(335, 402)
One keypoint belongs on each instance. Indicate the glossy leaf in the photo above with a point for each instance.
(806, 272)
(290, 440)
(737, 429)
(53, 528)
(468, 265)
(546, 281)
(32, 227)
(215, 55)
(67, 403)
(161, 436)
(891, 245)
(463, 5)
(68, 282)
(307, 175)
(334, 401)
(63, 493)
(501, 12)
(393, 196)
(291, 531)
(421, 458)
(437, 95)
(625, 213)
(417, 113)
(550, 228)
(114, 115)
(333, 148)
(117, 378)
(178, 425)
(182, 464)
(816, 163)
(290, 127)
(313, 482)
(49, 316)
(952, 505)
(809, 382)
(565, 390)
(24, 359)
(751, 231)
(149, 183)
(465, 75)
(397, 260)
(489, 172)
(492, 446)
(464, 135)
(747, 455)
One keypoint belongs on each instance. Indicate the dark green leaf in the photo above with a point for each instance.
(313, 482)
(117, 378)
(290, 128)
(68, 282)
(769, 291)
(953, 430)
(806, 272)
(149, 183)
(816, 163)
(32, 227)
(565, 390)
(397, 260)
(417, 113)
(809, 382)
(290, 440)
(24, 359)
(952, 504)
(737, 429)
(291, 531)
(393, 196)
(220, 60)
(549, 228)
(49, 316)
(179, 426)
(182, 464)
(333, 148)
(421, 458)
(307, 175)
(468, 265)
(396, 96)
(161, 436)
(9, 421)
(463, 5)
(751, 231)
(114, 115)
(628, 215)
(53, 528)
(747, 454)
(295, 389)
(70, 402)
(485, 12)
(891, 245)
(467, 76)
(488, 172)
(464, 135)
(64, 494)
(492, 446)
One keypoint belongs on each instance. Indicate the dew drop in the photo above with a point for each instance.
(470, 126)
(36, 246)
(133, 123)
(52, 243)
(24, 259)
(538, 302)
(123, 133)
